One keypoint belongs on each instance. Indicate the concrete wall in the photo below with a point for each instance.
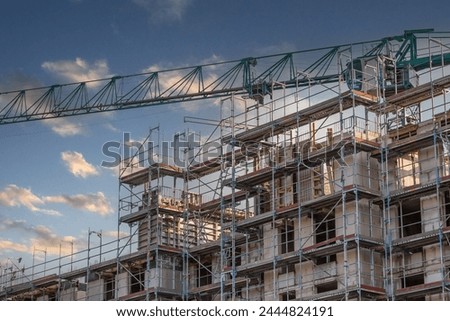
(68, 294)
(433, 267)
(270, 242)
(165, 278)
(362, 218)
(305, 271)
(96, 290)
(305, 233)
(350, 272)
(393, 233)
(284, 192)
(123, 284)
(427, 164)
(359, 169)
(371, 267)
(431, 220)
(254, 293)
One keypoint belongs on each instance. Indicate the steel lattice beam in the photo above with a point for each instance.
(250, 76)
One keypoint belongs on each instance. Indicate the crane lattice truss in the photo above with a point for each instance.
(252, 76)
(343, 198)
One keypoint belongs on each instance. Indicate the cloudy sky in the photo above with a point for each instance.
(52, 186)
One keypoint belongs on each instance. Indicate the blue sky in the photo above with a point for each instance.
(52, 187)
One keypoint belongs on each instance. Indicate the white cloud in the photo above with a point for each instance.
(64, 127)
(115, 171)
(7, 245)
(113, 234)
(77, 165)
(41, 237)
(46, 239)
(96, 203)
(15, 196)
(78, 70)
(166, 79)
(164, 11)
(7, 224)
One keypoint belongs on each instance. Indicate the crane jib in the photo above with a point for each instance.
(366, 66)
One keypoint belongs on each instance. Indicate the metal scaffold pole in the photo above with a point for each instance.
(233, 201)
(335, 188)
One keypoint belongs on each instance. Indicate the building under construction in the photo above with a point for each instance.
(326, 182)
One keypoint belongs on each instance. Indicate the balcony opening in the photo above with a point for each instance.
(287, 296)
(204, 276)
(295, 187)
(137, 279)
(410, 217)
(51, 296)
(408, 170)
(325, 287)
(238, 254)
(412, 280)
(264, 201)
(287, 269)
(110, 287)
(287, 238)
(324, 230)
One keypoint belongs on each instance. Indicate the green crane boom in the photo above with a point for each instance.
(255, 77)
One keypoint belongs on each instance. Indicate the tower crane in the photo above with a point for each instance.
(395, 69)
(391, 62)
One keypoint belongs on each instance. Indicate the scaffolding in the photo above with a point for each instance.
(320, 191)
